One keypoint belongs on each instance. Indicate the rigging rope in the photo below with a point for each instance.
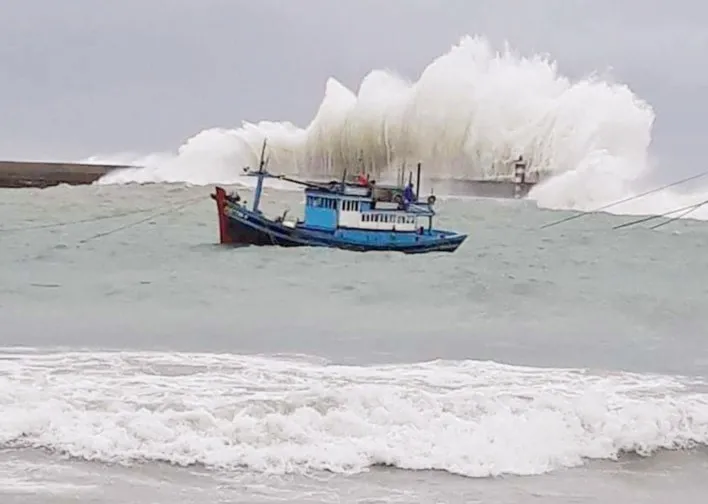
(630, 198)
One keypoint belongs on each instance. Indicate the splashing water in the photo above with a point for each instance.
(471, 113)
(285, 416)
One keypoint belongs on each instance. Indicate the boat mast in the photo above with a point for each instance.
(261, 175)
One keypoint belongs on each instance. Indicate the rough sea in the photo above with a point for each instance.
(147, 364)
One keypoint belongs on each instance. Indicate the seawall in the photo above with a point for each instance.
(19, 174)
(482, 188)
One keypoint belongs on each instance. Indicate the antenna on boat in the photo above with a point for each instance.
(261, 175)
(417, 183)
(262, 162)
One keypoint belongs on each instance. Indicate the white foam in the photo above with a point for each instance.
(285, 416)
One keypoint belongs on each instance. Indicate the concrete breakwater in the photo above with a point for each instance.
(24, 174)
(19, 174)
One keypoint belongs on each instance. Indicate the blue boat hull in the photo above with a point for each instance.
(239, 226)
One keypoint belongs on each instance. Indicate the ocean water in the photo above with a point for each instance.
(147, 364)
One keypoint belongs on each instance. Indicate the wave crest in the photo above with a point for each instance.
(471, 112)
(277, 416)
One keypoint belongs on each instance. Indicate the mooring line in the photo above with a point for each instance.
(86, 220)
(72, 222)
(184, 204)
(625, 200)
(688, 211)
(652, 217)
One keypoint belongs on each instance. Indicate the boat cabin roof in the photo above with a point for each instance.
(336, 189)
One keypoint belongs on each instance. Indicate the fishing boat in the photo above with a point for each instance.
(352, 215)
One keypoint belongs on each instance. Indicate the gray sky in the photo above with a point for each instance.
(84, 77)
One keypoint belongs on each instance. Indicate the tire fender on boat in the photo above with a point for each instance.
(431, 199)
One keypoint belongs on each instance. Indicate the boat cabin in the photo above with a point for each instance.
(363, 208)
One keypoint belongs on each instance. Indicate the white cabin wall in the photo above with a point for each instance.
(356, 220)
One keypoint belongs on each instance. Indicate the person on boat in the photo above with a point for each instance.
(362, 179)
(408, 194)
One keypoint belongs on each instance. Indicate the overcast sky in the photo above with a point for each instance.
(84, 77)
